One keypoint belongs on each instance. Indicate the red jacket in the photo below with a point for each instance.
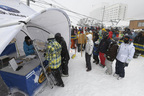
(110, 34)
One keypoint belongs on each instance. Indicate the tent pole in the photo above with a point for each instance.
(44, 70)
(17, 49)
(41, 63)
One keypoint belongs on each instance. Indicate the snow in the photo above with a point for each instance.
(96, 82)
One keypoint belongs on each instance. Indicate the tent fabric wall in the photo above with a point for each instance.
(37, 25)
(7, 34)
(54, 21)
(11, 12)
(7, 7)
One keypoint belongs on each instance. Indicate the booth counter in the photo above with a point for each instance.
(27, 79)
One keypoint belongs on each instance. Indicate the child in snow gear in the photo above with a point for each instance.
(110, 56)
(88, 51)
(95, 53)
(138, 43)
(124, 56)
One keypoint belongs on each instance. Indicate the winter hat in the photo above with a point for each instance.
(57, 36)
(103, 29)
(127, 39)
(27, 38)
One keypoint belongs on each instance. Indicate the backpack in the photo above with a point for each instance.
(112, 51)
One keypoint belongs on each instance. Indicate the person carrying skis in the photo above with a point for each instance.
(88, 51)
(124, 56)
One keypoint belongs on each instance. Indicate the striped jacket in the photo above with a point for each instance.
(53, 54)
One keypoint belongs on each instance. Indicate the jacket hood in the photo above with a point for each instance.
(58, 37)
(131, 44)
(89, 36)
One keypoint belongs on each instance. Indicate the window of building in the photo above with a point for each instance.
(140, 24)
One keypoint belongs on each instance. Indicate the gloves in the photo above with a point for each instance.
(45, 63)
(125, 64)
(95, 51)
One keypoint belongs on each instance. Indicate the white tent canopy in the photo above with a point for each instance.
(18, 20)
(52, 21)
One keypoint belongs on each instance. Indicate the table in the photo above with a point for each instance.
(27, 79)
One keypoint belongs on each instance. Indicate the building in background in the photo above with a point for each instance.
(136, 24)
(108, 13)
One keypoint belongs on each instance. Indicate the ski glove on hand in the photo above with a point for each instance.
(125, 64)
(45, 63)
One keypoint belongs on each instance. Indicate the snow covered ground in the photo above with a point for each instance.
(97, 83)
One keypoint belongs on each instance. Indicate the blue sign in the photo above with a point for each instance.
(28, 84)
(9, 9)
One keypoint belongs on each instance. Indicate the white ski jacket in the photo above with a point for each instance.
(89, 44)
(125, 52)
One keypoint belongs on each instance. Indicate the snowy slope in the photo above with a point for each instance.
(97, 83)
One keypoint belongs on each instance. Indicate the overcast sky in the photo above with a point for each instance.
(135, 7)
(85, 6)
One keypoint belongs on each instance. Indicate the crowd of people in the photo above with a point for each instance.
(103, 44)
(56, 56)
(107, 47)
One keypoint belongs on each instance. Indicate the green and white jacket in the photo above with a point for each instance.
(53, 54)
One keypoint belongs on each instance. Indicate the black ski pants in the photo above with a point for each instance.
(96, 58)
(120, 68)
(57, 76)
(64, 66)
(88, 61)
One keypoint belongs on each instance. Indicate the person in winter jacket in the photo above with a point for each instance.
(88, 51)
(95, 53)
(124, 56)
(28, 46)
(110, 34)
(101, 34)
(139, 42)
(103, 46)
(111, 56)
(64, 54)
(53, 56)
(73, 37)
(95, 36)
(114, 34)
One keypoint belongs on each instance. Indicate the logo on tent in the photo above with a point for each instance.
(9, 9)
